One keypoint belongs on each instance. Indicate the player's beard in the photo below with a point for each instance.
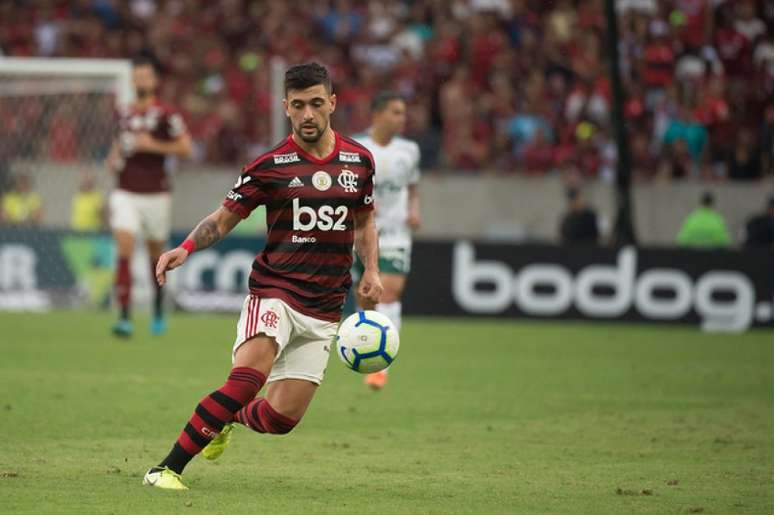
(143, 93)
(311, 139)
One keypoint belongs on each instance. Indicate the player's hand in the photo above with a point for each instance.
(143, 142)
(414, 221)
(169, 261)
(370, 288)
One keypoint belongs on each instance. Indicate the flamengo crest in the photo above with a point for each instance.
(348, 180)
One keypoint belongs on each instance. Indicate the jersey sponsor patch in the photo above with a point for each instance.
(349, 157)
(322, 180)
(281, 159)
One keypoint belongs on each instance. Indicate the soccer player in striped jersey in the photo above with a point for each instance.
(317, 186)
(397, 200)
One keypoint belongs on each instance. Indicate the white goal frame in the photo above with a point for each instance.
(115, 72)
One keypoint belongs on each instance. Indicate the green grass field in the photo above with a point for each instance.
(479, 417)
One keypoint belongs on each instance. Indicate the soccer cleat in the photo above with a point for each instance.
(377, 380)
(123, 328)
(217, 445)
(164, 478)
(158, 326)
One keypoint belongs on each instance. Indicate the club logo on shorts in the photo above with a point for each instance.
(270, 319)
(322, 180)
(348, 180)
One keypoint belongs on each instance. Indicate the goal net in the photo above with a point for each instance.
(57, 122)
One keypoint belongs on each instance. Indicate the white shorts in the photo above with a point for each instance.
(141, 213)
(304, 342)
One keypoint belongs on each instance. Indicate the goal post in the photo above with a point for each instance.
(57, 122)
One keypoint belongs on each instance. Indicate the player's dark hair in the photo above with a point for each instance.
(302, 76)
(145, 60)
(707, 199)
(383, 98)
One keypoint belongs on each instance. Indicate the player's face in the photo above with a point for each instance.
(393, 117)
(145, 80)
(310, 111)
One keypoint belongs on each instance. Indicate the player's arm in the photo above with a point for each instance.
(114, 161)
(208, 232)
(414, 220)
(180, 146)
(367, 248)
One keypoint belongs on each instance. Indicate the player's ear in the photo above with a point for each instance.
(285, 106)
(332, 100)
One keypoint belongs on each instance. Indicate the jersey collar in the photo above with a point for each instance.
(309, 157)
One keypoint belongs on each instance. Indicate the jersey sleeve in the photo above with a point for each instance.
(174, 125)
(365, 201)
(247, 194)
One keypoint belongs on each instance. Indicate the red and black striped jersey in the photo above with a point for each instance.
(144, 172)
(310, 207)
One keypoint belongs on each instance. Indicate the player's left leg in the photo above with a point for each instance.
(391, 306)
(284, 405)
(158, 323)
(294, 379)
(155, 215)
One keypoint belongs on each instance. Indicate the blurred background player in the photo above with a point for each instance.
(141, 202)
(396, 198)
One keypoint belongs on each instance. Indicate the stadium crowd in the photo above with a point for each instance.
(517, 86)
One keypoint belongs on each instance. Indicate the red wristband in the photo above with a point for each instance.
(189, 246)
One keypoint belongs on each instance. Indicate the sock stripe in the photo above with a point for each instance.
(187, 445)
(254, 419)
(196, 438)
(227, 402)
(208, 418)
(246, 379)
(285, 422)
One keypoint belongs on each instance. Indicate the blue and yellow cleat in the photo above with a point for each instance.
(164, 478)
(217, 445)
(158, 326)
(123, 328)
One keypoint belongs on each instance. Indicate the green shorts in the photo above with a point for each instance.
(391, 261)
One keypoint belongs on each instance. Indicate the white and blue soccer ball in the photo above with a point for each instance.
(367, 341)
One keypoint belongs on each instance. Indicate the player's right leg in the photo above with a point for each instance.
(123, 282)
(394, 266)
(125, 222)
(252, 365)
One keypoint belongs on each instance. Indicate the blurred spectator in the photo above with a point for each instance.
(21, 205)
(744, 163)
(685, 142)
(759, 230)
(704, 227)
(88, 206)
(530, 71)
(579, 224)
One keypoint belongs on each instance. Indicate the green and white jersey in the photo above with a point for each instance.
(396, 167)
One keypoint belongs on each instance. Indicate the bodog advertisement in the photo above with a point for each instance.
(718, 290)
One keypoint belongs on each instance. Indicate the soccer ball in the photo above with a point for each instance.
(367, 342)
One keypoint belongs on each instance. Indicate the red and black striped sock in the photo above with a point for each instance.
(259, 416)
(213, 412)
(123, 286)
